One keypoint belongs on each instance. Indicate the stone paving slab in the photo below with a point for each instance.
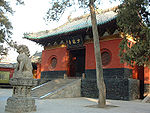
(83, 105)
(79, 105)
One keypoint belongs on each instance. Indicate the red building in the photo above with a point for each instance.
(36, 64)
(69, 50)
(6, 72)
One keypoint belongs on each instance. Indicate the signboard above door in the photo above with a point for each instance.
(75, 41)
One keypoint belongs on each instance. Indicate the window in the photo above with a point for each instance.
(106, 57)
(53, 62)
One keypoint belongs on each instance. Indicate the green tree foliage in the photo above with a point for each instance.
(5, 24)
(5, 29)
(134, 20)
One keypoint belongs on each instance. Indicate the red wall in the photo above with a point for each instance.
(112, 46)
(61, 56)
(11, 70)
(38, 71)
(146, 75)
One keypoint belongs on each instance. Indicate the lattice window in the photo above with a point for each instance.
(106, 58)
(53, 62)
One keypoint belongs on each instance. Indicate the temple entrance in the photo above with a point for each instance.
(76, 64)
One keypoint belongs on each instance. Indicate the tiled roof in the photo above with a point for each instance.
(36, 57)
(6, 65)
(74, 25)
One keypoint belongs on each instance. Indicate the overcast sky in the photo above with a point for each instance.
(29, 18)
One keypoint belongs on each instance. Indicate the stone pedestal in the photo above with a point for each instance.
(21, 100)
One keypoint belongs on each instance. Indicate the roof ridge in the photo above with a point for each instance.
(98, 11)
(107, 10)
(84, 16)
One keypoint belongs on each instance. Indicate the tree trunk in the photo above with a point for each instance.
(99, 69)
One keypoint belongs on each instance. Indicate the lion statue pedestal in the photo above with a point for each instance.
(21, 100)
(22, 82)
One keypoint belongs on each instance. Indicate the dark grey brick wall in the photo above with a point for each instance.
(110, 73)
(89, 88)
(118, 89)
(117, 81)
(134, 89)
(49, 75)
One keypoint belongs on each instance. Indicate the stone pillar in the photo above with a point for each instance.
(83, 75)
(21, 100)
(65, 76)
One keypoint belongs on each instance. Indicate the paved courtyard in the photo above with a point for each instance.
(79, 105)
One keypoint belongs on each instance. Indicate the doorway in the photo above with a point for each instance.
(76, 64)
(140, 70)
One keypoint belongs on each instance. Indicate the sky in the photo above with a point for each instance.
(29, 18)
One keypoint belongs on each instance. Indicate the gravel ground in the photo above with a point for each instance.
(80, 105)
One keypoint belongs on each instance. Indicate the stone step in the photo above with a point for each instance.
(48, 87)
(69, 90)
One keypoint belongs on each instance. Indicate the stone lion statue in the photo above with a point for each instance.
(24, 66)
